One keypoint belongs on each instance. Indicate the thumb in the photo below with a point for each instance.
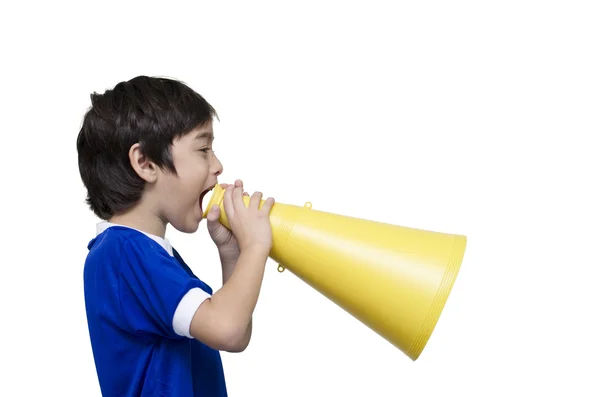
(213, 214)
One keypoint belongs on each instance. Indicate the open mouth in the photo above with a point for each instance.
(203, 196)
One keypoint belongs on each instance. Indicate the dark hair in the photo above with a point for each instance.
(150, 110)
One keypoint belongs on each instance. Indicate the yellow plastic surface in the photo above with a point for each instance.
(393, 279)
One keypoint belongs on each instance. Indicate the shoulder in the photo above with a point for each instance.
(106, 246)
(117, 239)
(119, 250)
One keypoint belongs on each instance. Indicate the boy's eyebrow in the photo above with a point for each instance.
(205, 134)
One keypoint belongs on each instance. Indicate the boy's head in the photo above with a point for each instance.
(146, 145)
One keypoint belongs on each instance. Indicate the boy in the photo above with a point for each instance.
(146, 159)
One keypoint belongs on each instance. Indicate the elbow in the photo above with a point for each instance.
(237, 340)
(237, 347)
(219, 332)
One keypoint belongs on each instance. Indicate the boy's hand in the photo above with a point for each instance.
(250, 225)
(221, 236)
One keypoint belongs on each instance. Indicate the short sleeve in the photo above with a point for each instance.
(157, 296)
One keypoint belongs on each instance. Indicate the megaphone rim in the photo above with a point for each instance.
(215, 198)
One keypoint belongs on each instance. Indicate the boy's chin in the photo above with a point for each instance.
(190, 227)
(194, 226)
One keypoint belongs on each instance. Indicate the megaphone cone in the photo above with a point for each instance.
(394, 279)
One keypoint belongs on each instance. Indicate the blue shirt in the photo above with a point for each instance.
(132, 288)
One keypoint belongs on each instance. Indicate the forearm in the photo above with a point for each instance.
(228, 262)
(229, 259)
(236, 300)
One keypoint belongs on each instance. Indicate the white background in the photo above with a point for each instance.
(476, 118)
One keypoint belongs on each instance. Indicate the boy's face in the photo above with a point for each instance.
(180, 197)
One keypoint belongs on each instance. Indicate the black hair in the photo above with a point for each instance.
(150, 110)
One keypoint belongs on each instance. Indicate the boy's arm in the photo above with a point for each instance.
(223, 321)
(228, 261)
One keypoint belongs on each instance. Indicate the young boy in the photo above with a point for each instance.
(146, 159)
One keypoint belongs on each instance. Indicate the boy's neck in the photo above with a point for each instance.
(146, 222)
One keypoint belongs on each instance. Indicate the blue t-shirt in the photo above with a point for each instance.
(132, 288)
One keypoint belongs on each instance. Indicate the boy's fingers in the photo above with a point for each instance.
(213, 213)
(269, 202)
(228, 202)
(237, 198)
(255, 200)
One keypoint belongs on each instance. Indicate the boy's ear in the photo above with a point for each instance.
(145, 168)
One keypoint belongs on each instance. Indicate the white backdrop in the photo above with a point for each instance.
(463, 117)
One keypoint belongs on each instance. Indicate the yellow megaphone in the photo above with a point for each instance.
(393, 279)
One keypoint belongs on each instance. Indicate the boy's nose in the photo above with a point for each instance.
(218, 167)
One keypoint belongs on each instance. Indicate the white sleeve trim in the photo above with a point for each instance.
(182, 319)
